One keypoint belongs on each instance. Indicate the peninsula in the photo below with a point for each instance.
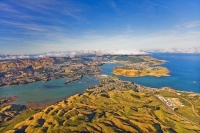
(17, 72)
(113, 105)
(133, 72)
(136, 66)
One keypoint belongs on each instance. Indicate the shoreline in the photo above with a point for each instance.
(46, 103)
(142, 76)
(135, 72)
(43, 104)
(29, 82)
(8, 100)
(2, 87)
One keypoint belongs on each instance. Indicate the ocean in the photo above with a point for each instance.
(184, 76)
(184, 72)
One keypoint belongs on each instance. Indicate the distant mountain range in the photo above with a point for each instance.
(98, 52)
(176, 50)
(72, 54)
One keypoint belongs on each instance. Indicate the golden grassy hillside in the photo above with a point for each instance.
(132, 72)
(113, 111)
(20, 64)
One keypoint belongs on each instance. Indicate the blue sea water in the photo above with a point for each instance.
(184, 72)
(184, 76)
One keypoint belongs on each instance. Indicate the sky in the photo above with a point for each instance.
(36, 26)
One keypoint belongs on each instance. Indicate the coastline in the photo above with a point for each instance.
(134, 72)
(138, 80)
(8, 100)
(2, 87)
(126, 101)
(30, 82)
(44, 104)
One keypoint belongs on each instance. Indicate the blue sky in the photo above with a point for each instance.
(35, 26)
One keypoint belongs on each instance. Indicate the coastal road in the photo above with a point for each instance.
(172, 111)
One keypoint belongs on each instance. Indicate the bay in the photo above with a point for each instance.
(53, 90)
(184, 73)
(184, 76)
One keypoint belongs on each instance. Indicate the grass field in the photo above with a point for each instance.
(10, 124)
(121, 111)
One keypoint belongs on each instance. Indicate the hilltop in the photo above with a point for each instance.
(133, 108)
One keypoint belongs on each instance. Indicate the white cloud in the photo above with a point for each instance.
(192, 24)
(53, 37)
(127, 42)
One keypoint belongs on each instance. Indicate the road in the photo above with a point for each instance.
(172, 111)
(193, 109)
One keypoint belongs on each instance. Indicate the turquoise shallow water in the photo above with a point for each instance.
(46, 91)
(185, 76)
